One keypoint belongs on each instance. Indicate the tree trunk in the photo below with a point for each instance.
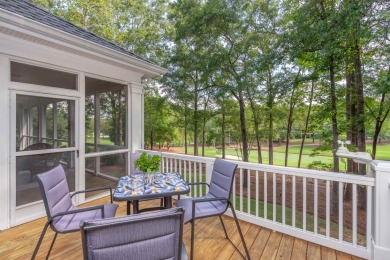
(361, 131)
(306, 123)
(185, 129)
(196, 119)
(203, 134)
(271, 120)
(293, 102)
(196, 131)
(335, 186)
(204, 124)
(378, 122)
(151, 139)
(348, 113)
(257, 126)
(244, 134)
(223, 128)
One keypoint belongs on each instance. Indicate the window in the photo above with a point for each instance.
(25, 73)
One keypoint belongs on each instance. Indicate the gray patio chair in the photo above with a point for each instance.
(215, 203)
(62, 215)
(153, 235)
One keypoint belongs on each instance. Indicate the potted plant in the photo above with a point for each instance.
(148, 164)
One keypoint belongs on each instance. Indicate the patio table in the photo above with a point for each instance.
(133, 189)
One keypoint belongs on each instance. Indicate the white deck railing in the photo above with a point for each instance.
(289, 200)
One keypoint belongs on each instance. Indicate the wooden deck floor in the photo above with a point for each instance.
(19, 242)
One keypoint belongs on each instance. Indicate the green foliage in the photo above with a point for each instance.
(318, 165)
(232, 67)
(147, 163)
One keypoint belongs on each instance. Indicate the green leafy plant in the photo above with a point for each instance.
(147, 163)
(318, 165)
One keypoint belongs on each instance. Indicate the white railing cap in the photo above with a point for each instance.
(383, 166)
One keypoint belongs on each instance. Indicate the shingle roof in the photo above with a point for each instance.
(33, 12)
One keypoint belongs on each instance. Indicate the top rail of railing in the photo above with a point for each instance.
(301, 172)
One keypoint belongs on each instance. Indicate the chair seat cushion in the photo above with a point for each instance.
(202, 209)
(69, 223)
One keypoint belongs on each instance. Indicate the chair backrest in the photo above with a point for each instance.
(222, 178)
(37, 146)
(136, 155)
(55, 192)
(154, 235)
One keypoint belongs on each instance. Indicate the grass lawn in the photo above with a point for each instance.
(278, 156)
(383, 153)
(103, 140)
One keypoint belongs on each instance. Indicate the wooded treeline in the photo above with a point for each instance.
(254, 72)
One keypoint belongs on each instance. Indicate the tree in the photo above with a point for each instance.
(306, 122)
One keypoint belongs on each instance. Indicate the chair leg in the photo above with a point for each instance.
(192, 239)
(239, 231)
(51, 246)
(224, 228)
(40, 240)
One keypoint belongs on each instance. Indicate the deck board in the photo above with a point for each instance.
(250, 237)
(328, 254)
(228, 249)
(300, 249)
(210, 242)
(286, 247)
(313, 251)
(260, 243)
(272, 246)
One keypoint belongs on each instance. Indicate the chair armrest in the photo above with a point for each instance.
(208, 200)
(198, 183)
(94, 189)
(101, 207)
(194, 201)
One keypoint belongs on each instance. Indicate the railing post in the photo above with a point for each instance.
(380, 246)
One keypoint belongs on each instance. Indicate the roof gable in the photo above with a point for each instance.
(30, 11)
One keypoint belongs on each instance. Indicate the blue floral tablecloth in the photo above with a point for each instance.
(165, 184)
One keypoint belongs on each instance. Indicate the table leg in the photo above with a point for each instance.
(128, 207)
(135, 206)
(168, 202)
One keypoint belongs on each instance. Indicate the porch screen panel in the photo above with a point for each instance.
(105, 133)
(44, 123)
(27, 189)
(102, 171)
(105, 122)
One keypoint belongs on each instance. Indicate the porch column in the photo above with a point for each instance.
(96, 133)
(55, 128)
(71, 132)
(42, 124)
(24, 130)
(136, 123)
(30, 125)
(5, 142)
(380, 249)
